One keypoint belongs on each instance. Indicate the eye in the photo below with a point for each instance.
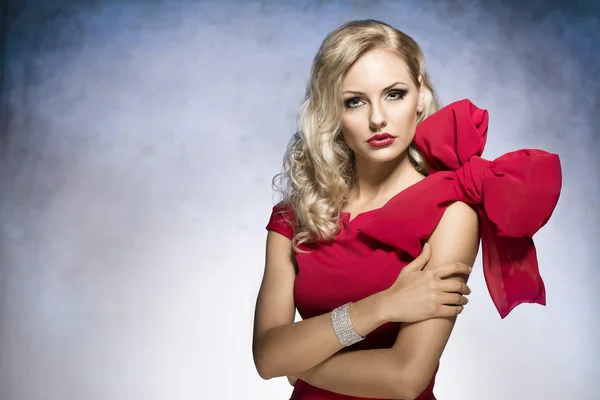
(397, 94)
(353, 102)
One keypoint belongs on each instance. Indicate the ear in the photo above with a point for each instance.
(421, 94)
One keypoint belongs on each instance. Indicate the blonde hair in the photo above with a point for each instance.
(318, 168)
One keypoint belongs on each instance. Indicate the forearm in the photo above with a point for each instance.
(377, 373)
(293, 348)
(423, 343)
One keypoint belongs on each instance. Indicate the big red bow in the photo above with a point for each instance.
(514, 196)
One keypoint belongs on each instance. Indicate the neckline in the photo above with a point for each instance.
(359, 214)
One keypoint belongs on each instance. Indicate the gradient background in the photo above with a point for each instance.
(138, 143)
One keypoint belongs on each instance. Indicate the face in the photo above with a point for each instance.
(380, 101)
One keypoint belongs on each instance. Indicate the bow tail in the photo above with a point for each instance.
(510, 268)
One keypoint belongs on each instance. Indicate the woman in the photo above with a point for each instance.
(375, 173)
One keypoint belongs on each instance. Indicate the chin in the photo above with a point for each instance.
(383, 155)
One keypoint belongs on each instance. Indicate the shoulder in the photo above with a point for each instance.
(458, 218)
(456, 236)
(460, 213)
(281, 220)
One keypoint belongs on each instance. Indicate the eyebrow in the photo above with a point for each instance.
(385, 89)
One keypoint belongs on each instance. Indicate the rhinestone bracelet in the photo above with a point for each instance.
(342, 326)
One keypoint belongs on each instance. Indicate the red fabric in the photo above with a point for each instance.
(350, 268)
(514, 196)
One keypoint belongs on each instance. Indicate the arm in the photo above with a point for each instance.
(283, 347)
(419, 345)
(405, 370)
(362, 373)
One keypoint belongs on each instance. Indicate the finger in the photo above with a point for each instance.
(454, 286)
(449, 311)
(445, 270)
(422, 259)
(453, 299)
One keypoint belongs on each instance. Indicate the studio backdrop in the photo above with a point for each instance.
(138, 142)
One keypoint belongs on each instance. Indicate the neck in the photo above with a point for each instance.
(373, 181)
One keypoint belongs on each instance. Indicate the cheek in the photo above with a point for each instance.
(350, 128)
(405, 117)
(348, 138)
(351, 138)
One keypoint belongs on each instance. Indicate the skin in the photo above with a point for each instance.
(380, 97)
(309, 346)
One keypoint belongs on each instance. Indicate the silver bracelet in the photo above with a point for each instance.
(342, 326)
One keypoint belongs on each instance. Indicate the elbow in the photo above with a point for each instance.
(409, 391)
(409, 383)
(268, 361)
(267, 372)
(263, 370)
(264, 374)
(406, 393)
(415, 390)
(267, 367)
(260, 362)
(263, 367)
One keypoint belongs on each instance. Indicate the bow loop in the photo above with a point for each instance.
(509, 186)
(521, 190)
(451, 136)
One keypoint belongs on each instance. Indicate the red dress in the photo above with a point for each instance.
(514, 196)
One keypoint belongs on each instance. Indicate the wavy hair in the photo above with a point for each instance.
(318, 167)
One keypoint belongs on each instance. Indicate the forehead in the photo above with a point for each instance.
(376, 69)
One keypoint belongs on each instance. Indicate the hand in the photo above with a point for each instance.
(418, 295)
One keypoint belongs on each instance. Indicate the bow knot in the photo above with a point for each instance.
(470, 180)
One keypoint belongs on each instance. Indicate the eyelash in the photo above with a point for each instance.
(400, 93)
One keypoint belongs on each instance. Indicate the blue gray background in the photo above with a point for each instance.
(138, 141)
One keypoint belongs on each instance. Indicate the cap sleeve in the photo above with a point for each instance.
(281, 221)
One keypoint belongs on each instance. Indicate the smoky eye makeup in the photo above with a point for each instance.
(398, 94)
(352, 102)
(394, 94)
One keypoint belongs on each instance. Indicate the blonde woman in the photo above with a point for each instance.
(385, 201)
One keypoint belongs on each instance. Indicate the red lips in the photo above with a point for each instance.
(380, 136)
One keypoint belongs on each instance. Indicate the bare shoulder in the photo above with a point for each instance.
(456, 237)
(460, 213)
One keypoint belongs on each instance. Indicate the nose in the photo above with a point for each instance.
(377, 119)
